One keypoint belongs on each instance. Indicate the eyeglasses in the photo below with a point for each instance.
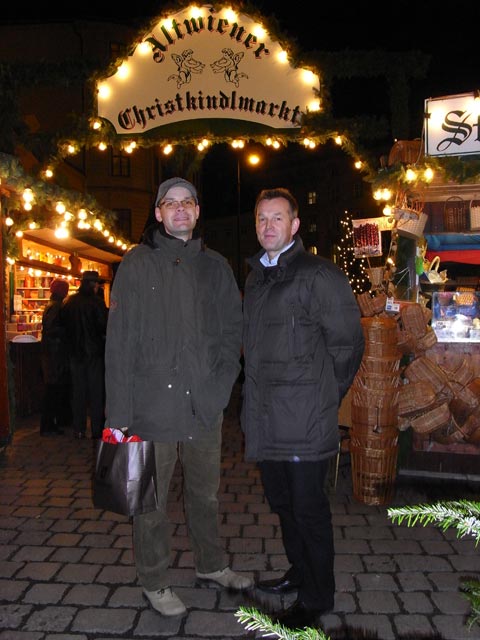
(188, 203)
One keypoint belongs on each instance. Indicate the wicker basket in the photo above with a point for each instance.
(365, 302)
(413, 320)
(422, 368)
(406, 342)
(387, 365)
(455, 215)
(415, 398)
(412, 228)
(474, 215)
(432, 419)
(379, 381)
(374, 472)
(361, 396)
(462, 374)
(381, 350)
(362, 436)
(463, 404)
(374, 418)
(426, 342)
(450, 433)
(380, 330)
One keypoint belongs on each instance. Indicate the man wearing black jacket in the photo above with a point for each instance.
(84, 315)
(303, 343)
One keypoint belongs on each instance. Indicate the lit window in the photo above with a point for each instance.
(312, 197)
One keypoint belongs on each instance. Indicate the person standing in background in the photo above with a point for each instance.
(303, 343)
(56, 412)
(172, 356)
(84, 315)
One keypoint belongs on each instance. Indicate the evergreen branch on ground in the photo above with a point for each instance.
(253, 620)
(464, 515)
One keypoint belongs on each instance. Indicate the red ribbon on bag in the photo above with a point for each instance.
(115, 436)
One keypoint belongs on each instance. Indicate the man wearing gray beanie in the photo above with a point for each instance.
(172, 356)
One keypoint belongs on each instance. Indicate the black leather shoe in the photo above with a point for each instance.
(298, 616)
(278, 585)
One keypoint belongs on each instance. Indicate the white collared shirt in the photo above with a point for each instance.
(265, 260)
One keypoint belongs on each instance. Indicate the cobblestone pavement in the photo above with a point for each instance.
(67, 572)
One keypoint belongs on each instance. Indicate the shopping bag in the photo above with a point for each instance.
(124, 479)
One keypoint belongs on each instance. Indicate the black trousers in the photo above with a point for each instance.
(56, 412)
(295, 492)
(88, 394)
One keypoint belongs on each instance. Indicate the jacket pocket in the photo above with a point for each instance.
(292, 412)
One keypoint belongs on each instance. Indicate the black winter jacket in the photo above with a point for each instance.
(303, 344)
(173, 339)
(54, 346)
(85, 317)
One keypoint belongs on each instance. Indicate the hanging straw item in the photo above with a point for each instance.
(475, 214)
(455, 215)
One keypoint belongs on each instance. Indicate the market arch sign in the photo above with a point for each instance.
(200, 64)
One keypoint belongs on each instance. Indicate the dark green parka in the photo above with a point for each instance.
(173, 339)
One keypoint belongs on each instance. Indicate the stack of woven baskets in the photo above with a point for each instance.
(374, 400)
(439, 395)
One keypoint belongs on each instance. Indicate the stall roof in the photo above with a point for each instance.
(76, 245)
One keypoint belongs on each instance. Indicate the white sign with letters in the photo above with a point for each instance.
(207, 64)
(452, 125)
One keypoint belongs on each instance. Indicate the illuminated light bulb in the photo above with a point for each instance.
(123, 71)
(386, 194)
(103, 91)
(196, 12)
(259, 31)
(167, 149)
(96, 124)
(81, 224)
(98, 225)
(102, 146)
(82, 214)
(377, 194)
(8, 221)
(10, 260)
(128, 149)
(61, 233)
(124, 246)
(276, 144)
(428, 174)
(230, 15)
(106, 233)
(312, 144)
(19, 233)
(144, 48)
(358, 164)
(71, 149)
(119, 243)
(338, 140)
(68, 216)
(27, 195)
(111, 239)
(308, 76)
(32, 225)
(314, 105)
(282, 57)
(254, 159)
(27, 206)
(48, 173)
(387, 210)
(238, 144)
(410, 175)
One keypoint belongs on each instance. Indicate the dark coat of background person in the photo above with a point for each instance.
(85, 317)
(56, 411)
